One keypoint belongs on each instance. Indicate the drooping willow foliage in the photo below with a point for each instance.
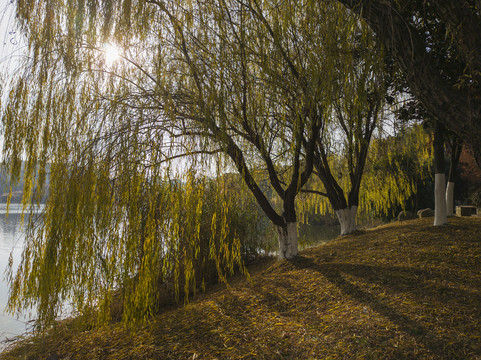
(193, 79)
(147, 236)
(251, 83)
(359, 157)
(356, 113)
(114, 217)
(397, 166)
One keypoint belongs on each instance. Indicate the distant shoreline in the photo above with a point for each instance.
(16, 198)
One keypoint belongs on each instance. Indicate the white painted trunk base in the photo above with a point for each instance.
(440, 216)
(288, 247)
(347, 219)
(450, 198)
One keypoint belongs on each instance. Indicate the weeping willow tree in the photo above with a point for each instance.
(117, 216)
(247, 84)
(350, 175)
(351, 106)
(355, 113)
(398, 166)
(236, 108)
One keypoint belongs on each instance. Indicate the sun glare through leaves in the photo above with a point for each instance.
(112, 54)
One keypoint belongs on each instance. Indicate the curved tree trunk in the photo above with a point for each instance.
(288, 245)
(347, 219)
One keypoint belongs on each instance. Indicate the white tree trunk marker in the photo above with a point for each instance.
(347, 219)
(288, 247)
(440, 216)
(450, 198)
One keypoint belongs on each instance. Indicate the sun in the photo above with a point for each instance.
(112, 54)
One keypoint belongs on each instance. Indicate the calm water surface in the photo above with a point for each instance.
(314, 235)
(11, 241)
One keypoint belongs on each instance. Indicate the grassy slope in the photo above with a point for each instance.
(400, 291)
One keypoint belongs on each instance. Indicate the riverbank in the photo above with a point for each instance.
(400, 291)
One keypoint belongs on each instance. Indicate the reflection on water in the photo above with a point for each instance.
(314, 235)
(11, 241)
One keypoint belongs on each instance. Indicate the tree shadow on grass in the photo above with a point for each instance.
(398, 281)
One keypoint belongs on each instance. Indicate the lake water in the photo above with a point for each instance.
(11, 241)
(314, 235)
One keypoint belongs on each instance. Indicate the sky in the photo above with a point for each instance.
(11, 46)
(11, 43)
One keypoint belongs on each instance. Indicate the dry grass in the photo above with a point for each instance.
(401, 291)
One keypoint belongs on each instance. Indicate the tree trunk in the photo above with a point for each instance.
(450, 198)
(288, 247)
(347, 219)
(440, 216)
(456, 148)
